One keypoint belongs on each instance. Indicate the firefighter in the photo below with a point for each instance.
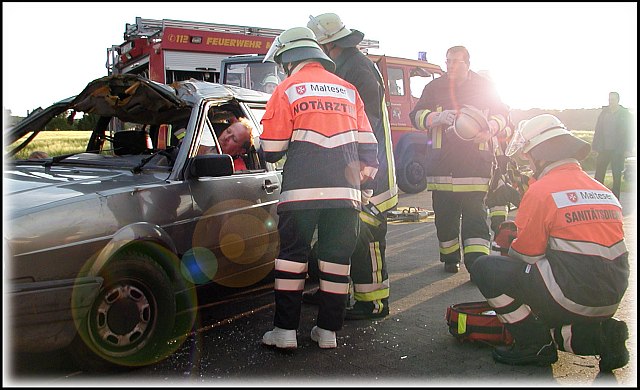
(459, 169)
(318, 121)
(368, 266)
(269, 83)
(567, 268)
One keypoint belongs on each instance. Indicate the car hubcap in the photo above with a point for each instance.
(122, 316)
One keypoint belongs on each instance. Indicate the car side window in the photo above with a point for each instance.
(208, 142)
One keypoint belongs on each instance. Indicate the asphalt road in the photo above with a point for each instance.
(410, 347)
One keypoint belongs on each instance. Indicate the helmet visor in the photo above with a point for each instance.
(516, 144)
(275, 46)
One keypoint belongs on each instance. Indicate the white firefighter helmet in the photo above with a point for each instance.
(297, 44)
(329, 28)
(271, 79)
(545, 137)
(469, 123)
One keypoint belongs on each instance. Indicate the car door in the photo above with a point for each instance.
(235, 238)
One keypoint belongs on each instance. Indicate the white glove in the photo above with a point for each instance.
(366, 196)
(444, 118)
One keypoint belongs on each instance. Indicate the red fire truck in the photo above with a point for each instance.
(172, 50)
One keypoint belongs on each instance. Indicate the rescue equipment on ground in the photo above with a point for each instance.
(409, 214)
(477, 322)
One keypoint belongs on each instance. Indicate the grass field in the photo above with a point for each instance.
(64, 142)
(56, 143)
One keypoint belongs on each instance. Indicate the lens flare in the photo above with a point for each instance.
(199, 265)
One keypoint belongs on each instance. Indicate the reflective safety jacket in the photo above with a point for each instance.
(570, 228)
(452, 163)
(356, 68)
(318, 120)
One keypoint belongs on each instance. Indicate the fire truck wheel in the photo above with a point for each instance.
(412, 173)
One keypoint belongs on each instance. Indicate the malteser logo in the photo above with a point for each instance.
(573, 197)
(301, 89)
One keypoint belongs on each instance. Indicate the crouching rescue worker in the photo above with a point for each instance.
(318, 120)
(567, 268)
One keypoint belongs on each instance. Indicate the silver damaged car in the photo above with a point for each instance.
(104, 247)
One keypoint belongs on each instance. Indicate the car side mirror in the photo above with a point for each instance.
(211, 165)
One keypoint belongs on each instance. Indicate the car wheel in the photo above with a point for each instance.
(412, 173)
(131, 319)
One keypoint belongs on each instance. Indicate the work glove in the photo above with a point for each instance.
(503, 195)
(507, 232)
(367, 174)
(444, 118)
(365, 196)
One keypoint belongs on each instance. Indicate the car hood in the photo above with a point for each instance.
(28, 188)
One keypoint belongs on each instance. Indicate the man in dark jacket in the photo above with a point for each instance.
(459, 169)
(612, 140)
(368, 266)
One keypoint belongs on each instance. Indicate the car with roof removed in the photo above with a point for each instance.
(105, 246)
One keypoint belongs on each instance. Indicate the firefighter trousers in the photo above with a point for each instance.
(461, 214)
(337, 234)
(368, 266)
(497, 215)
(524, 304)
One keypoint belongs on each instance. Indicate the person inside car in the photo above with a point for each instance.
(236, 140)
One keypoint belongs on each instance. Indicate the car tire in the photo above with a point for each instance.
(131, 320)
(412, 173)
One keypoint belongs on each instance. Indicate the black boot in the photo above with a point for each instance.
(611, 344)
(367, 310)
(532, 344)
(451, 267)
(517, 354)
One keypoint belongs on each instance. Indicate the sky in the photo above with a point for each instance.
(540, 55)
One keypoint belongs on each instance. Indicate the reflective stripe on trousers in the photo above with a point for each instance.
(516, 290)
(368, 266)
(465, 214)
(337, 234)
